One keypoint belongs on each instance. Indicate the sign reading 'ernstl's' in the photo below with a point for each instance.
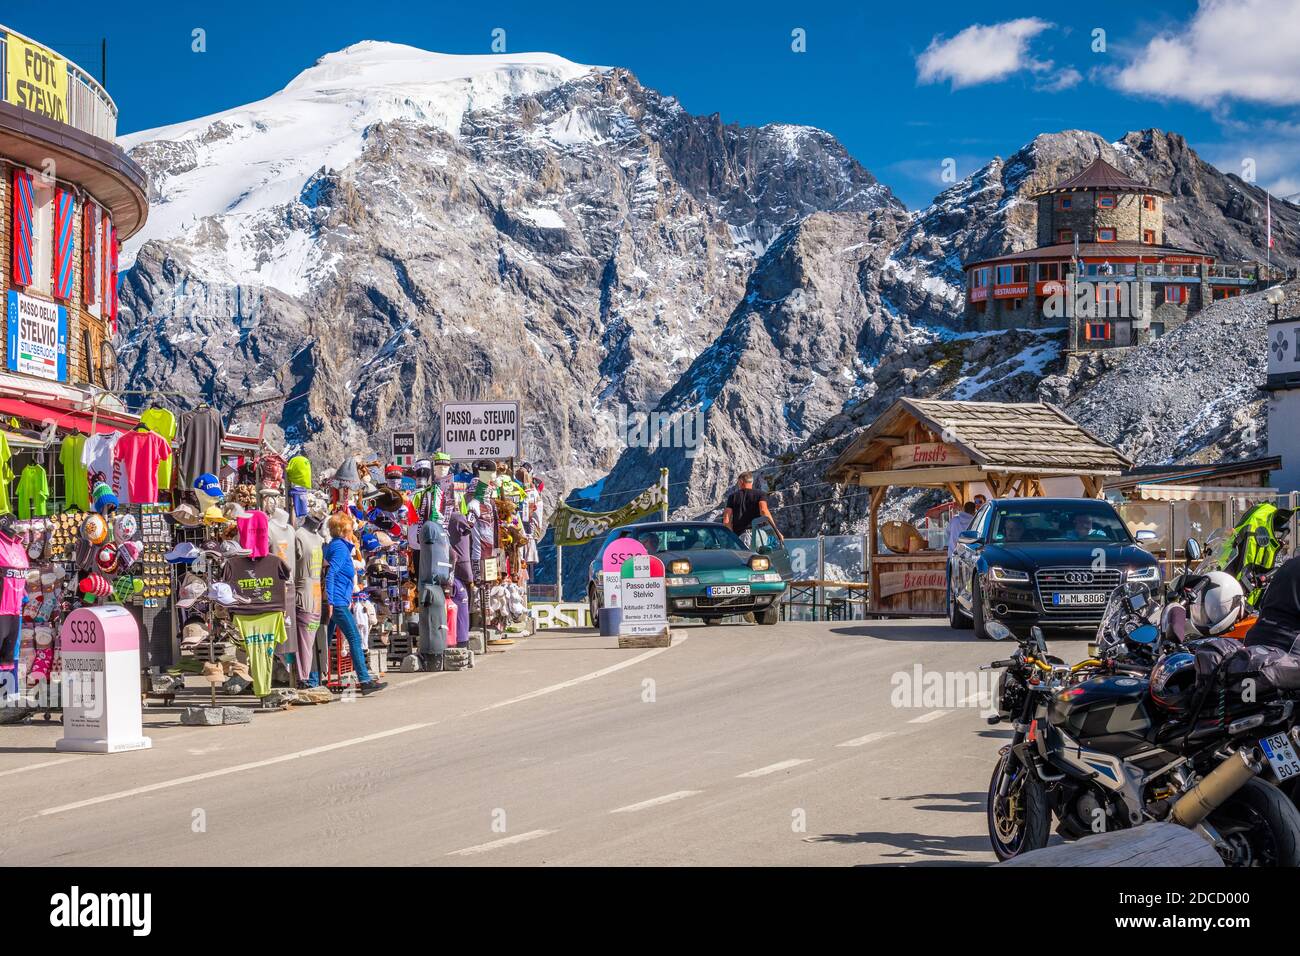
(36, 79)
(927, 453)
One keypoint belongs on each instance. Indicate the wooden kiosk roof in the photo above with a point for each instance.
(953, 442)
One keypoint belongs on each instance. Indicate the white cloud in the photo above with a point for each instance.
(1064, 79)
(982, 54)
(1265, 152)
(1231, 49)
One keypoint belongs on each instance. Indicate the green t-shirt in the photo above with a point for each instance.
(33, 492)
(160, 421)
(76, 482)
(262, 634)
(6, 475)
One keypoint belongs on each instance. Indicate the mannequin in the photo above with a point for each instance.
(435, 575)
(309, 540)
(459, 535)
(14, 565)
(281, 543)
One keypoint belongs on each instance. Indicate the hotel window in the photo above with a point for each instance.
(42, 233)
(1175, 294)
(92, 262)
(1064, 235)
(1004, 275)
(1105, 200)
(1064, 202)
(1149, 236)
(1105, 235)
(1149, 203)
(1094, 331)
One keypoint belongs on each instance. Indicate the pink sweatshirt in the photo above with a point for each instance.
(253, 533)
(13, 565)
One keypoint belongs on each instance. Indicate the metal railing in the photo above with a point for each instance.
(89, 107)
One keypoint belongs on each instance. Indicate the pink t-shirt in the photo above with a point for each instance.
(254, 534)
(13, 565)
(139, 453)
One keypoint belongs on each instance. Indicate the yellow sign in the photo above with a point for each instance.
(37, 79)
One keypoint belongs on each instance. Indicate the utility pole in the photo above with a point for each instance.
(103, 62)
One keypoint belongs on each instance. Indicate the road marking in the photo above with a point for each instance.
(868, 739)
(980, 696)
(504, 841)
(542, 691)
(338, 745)
(225, 771)
(37, 766)
(657, 801)
(926, 718)
(774, 767)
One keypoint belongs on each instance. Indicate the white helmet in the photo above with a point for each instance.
(1219, 604)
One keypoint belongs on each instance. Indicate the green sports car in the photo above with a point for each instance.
(710, 573)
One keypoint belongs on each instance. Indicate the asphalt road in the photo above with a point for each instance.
(786, 745)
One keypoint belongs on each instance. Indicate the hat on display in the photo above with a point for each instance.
(369, 542)
(94, 585)
(298, 471)
(385, 540)
(214, 515)
(207, 484)
(191, 590)
(233, 549)
(186, 515)
(105, 500)
(438, 456)
(193, 635)
(106, 558)
(393, 471)
(388, 500)
(124, 527)
(183, 553)
(129, 554)
(94, 529)
(347, 475)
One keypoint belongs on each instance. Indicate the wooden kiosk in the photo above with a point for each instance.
(997, 449)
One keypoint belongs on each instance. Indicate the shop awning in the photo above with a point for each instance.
(65, 419)
(1162, 492)
(19, 442)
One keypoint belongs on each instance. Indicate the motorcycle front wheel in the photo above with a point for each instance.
(1017, 809)
(1258, 826)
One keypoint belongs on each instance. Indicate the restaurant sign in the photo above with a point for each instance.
(37, 337)
(927, 453)
(897, 582)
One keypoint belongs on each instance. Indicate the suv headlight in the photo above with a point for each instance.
(759, 563)
(1008, 574)
(680, 566)
(1151, 573)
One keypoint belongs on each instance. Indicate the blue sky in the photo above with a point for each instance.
(904, 85)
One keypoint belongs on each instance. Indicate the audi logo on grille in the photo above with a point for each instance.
(1078, 577)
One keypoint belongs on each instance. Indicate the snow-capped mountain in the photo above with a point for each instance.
(398, 227)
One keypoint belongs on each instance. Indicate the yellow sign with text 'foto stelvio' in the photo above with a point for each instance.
(37, 79)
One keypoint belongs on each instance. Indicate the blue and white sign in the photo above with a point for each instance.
(38, 337)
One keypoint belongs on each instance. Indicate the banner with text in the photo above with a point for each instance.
(36, 79)
(578, 527)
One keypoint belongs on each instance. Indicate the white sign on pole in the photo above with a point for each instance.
(481, 430)
(645, 607)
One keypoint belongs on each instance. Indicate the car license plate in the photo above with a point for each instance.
(728, 590)
(1076, 598)
(1281, 756)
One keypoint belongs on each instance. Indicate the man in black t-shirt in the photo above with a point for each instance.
(744, 506)
(1279, 610)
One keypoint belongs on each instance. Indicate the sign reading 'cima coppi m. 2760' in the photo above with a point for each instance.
(481, 430)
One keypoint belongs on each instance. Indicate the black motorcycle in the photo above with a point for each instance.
(1115, 750)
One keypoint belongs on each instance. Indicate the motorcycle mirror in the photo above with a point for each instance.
(997, 630)
(1192, 549)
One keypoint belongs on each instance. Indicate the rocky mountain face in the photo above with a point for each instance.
(532, 230)
(396, 228)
